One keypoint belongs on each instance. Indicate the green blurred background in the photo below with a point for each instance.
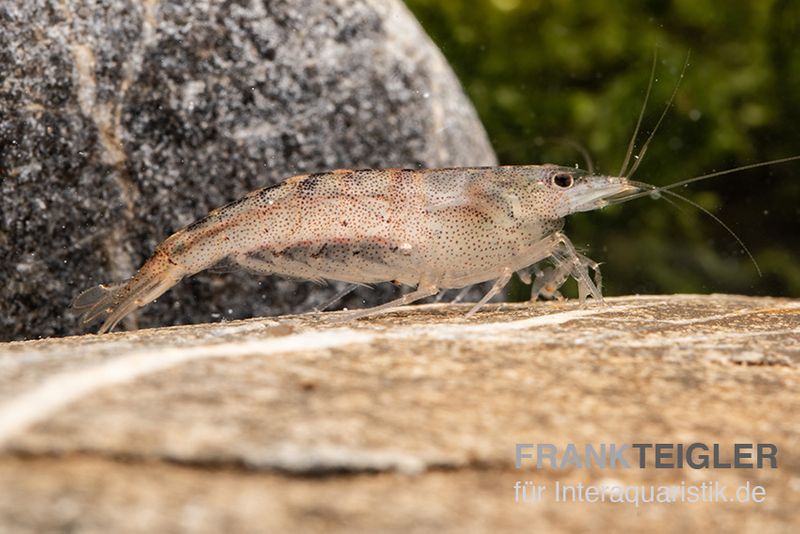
(539, 71)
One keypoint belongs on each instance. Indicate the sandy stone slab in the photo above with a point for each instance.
(266, 398)
(403, 420)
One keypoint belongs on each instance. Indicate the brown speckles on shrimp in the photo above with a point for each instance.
(432, 228)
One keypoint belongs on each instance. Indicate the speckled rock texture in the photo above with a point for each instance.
(405, 422)
(122, 121)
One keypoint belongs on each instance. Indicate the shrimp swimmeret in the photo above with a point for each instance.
(434, 229)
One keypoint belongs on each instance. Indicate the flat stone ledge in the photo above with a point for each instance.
(406, 419)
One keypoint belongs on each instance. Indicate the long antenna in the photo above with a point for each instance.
(632, 142)
(646, 144)
(653, 189)
(727, 228)
(587, 159)
(704, 177)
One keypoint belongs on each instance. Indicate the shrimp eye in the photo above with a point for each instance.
(563, 180)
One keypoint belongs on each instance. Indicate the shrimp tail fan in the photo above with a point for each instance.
(114, 301)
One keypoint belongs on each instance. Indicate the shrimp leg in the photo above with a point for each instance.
(349, 288)
(424, 289)
(498, 285)
(580, 265)
(461, 295)
(525, 276)
(549, 280)
(458, 298)
(588, 263)
(440, 296)
(567, 261)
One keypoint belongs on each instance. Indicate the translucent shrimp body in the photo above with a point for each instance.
(430, 228)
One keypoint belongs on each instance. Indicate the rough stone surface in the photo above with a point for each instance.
(122, 121)
(403, 422)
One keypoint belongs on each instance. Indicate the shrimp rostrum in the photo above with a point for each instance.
(433, 229)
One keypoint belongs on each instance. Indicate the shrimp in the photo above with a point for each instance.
(431, 228)
(434, 229)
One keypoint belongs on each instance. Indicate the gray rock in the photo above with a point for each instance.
(122, 121)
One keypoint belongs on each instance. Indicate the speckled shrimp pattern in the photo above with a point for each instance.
(430, 228)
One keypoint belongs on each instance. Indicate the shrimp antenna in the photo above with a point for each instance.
(640, 156)
(632, 142)
(587, 159)
(725, 226)
(730, 171)
(651, 189)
